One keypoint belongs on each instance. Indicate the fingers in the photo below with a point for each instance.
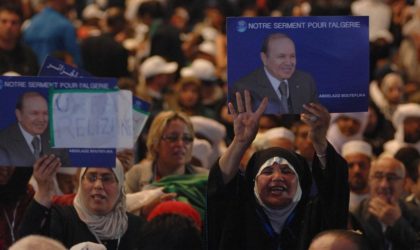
(262, 107)
(239, 103)
(168, 197)
(248, 105)
(315, 114)
(47, 165)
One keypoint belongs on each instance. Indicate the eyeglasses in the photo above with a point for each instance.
(187, 139)
(105, 178)
(391, 178)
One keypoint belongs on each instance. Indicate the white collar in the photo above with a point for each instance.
(28, 137)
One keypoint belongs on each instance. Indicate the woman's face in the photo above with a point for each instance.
(189, 95)
(277, 185)
(100, 190)
(175, 146)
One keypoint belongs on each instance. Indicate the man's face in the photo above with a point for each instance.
(9, 25)
(348, 126)
(386, 179)
(277, 185)
(412, 129)
(280, 58)
(34, 115)
(359, 165)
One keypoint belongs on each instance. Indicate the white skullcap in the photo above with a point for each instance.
(201, 69)
(401, 113)
(201, 150)
(157, 65)
(207, 47)
(280, 132)
(92, 11)
(357, 146)
(209, 33)
(381, 34)
(214, 131)
(11, 73)
(412, 26)
(362, 117)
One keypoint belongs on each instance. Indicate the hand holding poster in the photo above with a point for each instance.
(296, 60)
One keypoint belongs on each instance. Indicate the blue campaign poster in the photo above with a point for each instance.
(13, 148)
(331, 52)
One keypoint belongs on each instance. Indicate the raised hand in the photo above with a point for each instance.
(245, 121)
(45, 169)
(318, 118)
(386, 212)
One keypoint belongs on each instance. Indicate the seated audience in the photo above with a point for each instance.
(384, 218)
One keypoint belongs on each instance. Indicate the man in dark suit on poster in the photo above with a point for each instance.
(287, 89)
(25, 141)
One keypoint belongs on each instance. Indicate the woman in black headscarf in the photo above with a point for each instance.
(15, 195)
(269, 207)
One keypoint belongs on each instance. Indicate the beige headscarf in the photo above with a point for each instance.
(112, 225)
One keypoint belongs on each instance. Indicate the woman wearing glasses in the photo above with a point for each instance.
(98, 213)
(169, 145)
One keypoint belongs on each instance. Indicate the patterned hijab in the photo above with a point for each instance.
(112, 225)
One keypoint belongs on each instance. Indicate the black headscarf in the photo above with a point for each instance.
(297, 161)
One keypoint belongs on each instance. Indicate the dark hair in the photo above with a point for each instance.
(170, 232)
(154, 9)
(12, 7)
(273, 36)
(115, 19)
(355, 237)
(409, 156)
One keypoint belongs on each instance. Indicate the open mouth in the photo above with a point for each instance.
(278, 189)
(98, 197)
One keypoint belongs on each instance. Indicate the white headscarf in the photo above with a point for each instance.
(334, 135)
(112, 225)
(278, 217)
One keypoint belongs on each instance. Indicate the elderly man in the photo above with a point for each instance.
(358, 155)
(286, 88)
(384, 219)
(26, 140)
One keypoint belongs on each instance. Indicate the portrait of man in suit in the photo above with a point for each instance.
(26, 140)
(286, 88)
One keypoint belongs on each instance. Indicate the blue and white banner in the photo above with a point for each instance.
(332, 51)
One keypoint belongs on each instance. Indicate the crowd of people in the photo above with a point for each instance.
(205, 173)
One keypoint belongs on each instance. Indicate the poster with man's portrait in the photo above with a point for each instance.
(297, 60)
